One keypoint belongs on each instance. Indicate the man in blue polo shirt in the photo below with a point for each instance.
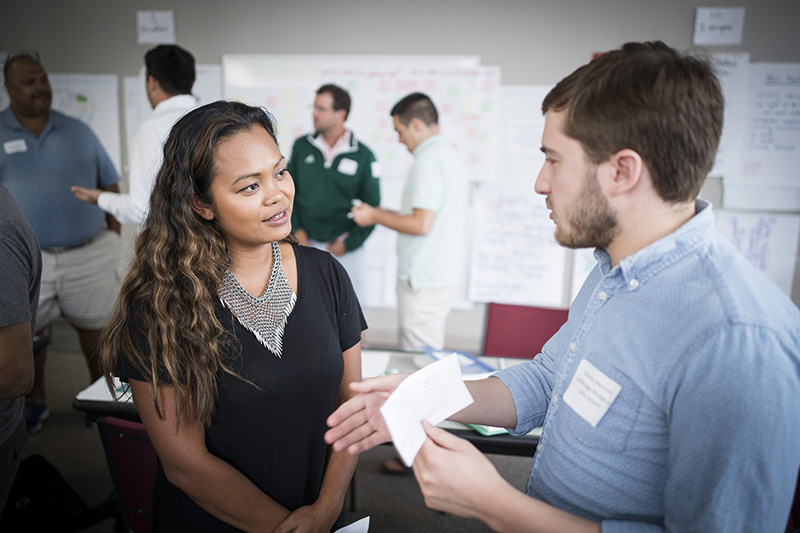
(43, 153)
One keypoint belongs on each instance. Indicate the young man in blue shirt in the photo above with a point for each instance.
(669, 398)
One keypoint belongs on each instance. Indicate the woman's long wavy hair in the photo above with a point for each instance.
(169, 293)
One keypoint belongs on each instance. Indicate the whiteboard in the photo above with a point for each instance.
(92, 99)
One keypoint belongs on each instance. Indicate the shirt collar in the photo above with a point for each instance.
(424, 145)
(651, 259)
(179, 101)
(10, 120)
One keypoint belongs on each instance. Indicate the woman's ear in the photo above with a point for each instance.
(202, 208)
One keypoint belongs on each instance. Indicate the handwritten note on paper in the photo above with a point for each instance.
(515, 258)
(432, 393)
(719, 25)
(768, 241)
(155, 27)
(773, 135)
(732, 70)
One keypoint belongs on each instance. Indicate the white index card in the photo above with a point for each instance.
(155, 27)
(432, 393)
(719, 25)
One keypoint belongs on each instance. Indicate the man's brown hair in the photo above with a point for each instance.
(649, 98)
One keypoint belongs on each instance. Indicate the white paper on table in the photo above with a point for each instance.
(359, 526)
(373, 363)
(432, 393)
(98, 391)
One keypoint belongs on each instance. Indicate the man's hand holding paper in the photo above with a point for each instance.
(357, 425)
(432, 393)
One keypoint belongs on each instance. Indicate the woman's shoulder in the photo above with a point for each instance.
(309, 253)
(310, 259)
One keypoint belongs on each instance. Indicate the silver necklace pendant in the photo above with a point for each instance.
(266, 316)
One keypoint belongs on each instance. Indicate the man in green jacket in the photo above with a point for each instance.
(332, 170)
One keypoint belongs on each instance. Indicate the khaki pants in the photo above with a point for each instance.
(422, 314)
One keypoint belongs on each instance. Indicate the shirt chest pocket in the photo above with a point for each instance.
(614, 429)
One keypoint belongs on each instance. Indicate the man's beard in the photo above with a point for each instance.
(592, 223)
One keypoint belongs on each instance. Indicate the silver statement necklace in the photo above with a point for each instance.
(266, 316)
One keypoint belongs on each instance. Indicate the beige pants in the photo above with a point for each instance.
(81, 284)
(422, 315)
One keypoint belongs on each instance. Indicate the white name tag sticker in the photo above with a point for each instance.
(348, 166)
(17, 145)
(591, 393)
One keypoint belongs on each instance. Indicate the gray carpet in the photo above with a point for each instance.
(394, 503)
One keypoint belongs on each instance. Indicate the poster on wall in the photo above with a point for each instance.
(768, 180)
(515, 258)
(732, 69)
(92, 99)
(768, 240)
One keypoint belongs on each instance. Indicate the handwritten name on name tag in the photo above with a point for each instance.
(591, 393)
(17, 145)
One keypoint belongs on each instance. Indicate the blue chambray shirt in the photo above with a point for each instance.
(705, 432)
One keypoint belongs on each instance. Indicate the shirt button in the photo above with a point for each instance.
(602, 295)
(572, 346)
(634, 283)
(555, 398)
(539, 448)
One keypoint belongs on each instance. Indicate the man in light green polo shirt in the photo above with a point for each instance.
(431, 225)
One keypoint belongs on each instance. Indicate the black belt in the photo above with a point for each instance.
(57, 249)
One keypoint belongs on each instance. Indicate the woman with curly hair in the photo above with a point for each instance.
(237, 343)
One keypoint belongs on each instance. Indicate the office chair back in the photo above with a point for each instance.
(132, 462)
(519, 331)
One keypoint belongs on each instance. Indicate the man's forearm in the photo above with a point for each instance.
(493, 404)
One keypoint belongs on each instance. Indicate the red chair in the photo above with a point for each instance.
(132, 462)
(519, 331)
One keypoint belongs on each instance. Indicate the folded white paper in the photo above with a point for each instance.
(359, 526)
(432, 393)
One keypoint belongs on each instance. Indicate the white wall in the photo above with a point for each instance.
(534, 42)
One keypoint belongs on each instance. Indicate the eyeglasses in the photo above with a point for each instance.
(319, 109)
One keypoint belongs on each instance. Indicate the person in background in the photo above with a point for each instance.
(669, 398)
(332, 169)
(432, 230)
(21, 265)
(169, 79)
(431, 224)
(237, 343)
(43, 153)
